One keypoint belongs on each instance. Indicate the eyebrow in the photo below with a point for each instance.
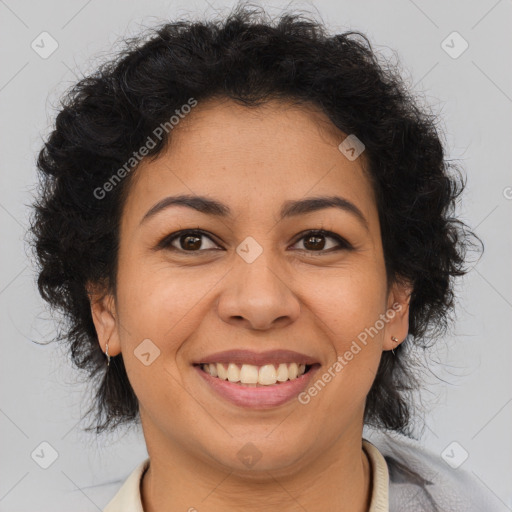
(290, 208)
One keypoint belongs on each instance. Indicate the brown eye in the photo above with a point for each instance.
(315, 241)
(187, 241)
(190, 242)
(318, 241)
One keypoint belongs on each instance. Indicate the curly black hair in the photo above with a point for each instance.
(250, 59)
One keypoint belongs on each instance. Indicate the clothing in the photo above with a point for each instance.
(405, 478)
(421, 481)
(128, 498)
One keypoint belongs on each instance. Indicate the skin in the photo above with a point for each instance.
(293, 296)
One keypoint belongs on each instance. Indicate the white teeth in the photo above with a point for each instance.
(221, 372)
(282, 372)
(267, 375)
(249, 374)
(233, 373)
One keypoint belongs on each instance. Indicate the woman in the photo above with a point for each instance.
(249, 227)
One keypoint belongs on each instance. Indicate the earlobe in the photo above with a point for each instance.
(395, 341)
(397, 327)
(103, 314)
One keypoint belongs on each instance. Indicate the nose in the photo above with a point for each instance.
(257, 296)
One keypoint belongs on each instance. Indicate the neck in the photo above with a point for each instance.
(339, 479)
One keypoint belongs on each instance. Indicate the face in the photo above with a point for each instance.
(253, 285)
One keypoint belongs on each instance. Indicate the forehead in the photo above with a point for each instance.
(251, 157)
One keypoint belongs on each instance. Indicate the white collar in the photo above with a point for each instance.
(128, 498)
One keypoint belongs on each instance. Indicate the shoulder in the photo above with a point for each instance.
(422, 481)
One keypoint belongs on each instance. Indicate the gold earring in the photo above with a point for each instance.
(396, 341)
(106, 353)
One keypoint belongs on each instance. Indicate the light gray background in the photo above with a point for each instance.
(38, 401)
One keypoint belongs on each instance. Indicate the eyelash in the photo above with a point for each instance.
(342, 243)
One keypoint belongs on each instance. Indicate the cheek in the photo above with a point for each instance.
(158, 302)
(349, 304)
(158, 313)
(348, 309)
(165, 306)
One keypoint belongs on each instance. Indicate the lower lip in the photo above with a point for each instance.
(260, 397)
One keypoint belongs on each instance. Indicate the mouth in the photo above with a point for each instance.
(257, 380)
(255, 376)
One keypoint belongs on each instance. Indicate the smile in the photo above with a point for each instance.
(252, 375)
(256, 380)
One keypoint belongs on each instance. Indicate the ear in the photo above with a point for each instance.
(397, 313)
(104, 317)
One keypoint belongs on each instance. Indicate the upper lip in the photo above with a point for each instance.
(257, 358)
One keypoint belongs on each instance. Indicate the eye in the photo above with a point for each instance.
(186, 241)
(314, 241)
(192, 241)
